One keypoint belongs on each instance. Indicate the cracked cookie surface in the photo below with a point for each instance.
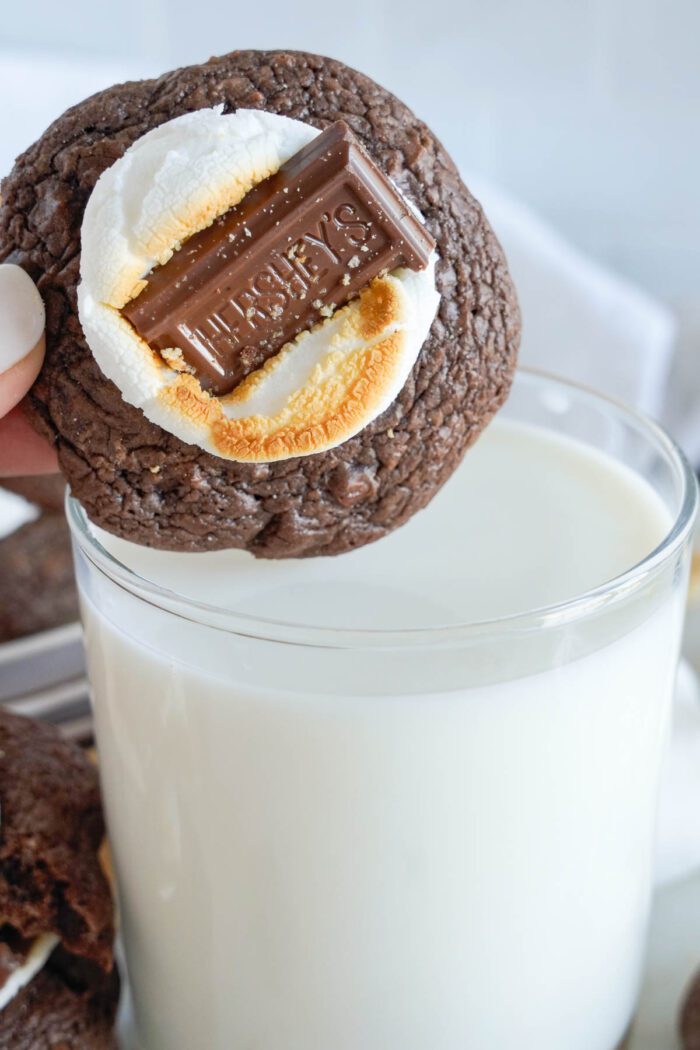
(146, 485)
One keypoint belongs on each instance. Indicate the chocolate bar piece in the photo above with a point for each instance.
(299, 244)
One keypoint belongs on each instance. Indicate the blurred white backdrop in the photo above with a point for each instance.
(588, 111)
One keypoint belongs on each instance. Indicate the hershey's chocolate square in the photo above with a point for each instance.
(300, 244)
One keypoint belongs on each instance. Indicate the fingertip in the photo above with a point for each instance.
(22, 318)
(22, 450)
(16, 380)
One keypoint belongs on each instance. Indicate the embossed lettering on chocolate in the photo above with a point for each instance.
(141, 482)
(305, 239)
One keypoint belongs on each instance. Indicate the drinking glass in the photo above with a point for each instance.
(429, 838)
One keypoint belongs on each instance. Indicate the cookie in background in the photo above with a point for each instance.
(37, 583)
(58, 981)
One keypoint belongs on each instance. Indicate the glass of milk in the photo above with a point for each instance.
(403, 797)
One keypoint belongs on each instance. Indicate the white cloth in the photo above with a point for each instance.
(682, 408)
(579, 320)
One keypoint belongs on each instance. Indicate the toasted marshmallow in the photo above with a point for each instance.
(324, 386)
(36, 958)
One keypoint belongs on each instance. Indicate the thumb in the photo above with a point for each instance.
(21, 335)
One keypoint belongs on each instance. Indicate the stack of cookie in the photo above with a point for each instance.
(58, 984)
(38, 588)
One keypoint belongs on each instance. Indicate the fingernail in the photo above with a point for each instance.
(21, 315)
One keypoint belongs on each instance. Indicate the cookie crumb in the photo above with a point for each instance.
(174, 358)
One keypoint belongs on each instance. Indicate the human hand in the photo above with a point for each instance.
(22, 450)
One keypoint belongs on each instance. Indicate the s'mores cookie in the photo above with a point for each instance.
(276, 317)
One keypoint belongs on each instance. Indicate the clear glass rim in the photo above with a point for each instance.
(543, 618)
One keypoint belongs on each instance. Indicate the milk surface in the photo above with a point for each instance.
(528, 520)
(427, 849)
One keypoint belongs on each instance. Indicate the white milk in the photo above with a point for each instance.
(321, 849)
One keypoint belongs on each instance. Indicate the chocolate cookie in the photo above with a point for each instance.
(45, 490)
(690, 1017)
(58, 984)
(51, 828)
(37, 584)
(141, 482)
(69, 1005)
